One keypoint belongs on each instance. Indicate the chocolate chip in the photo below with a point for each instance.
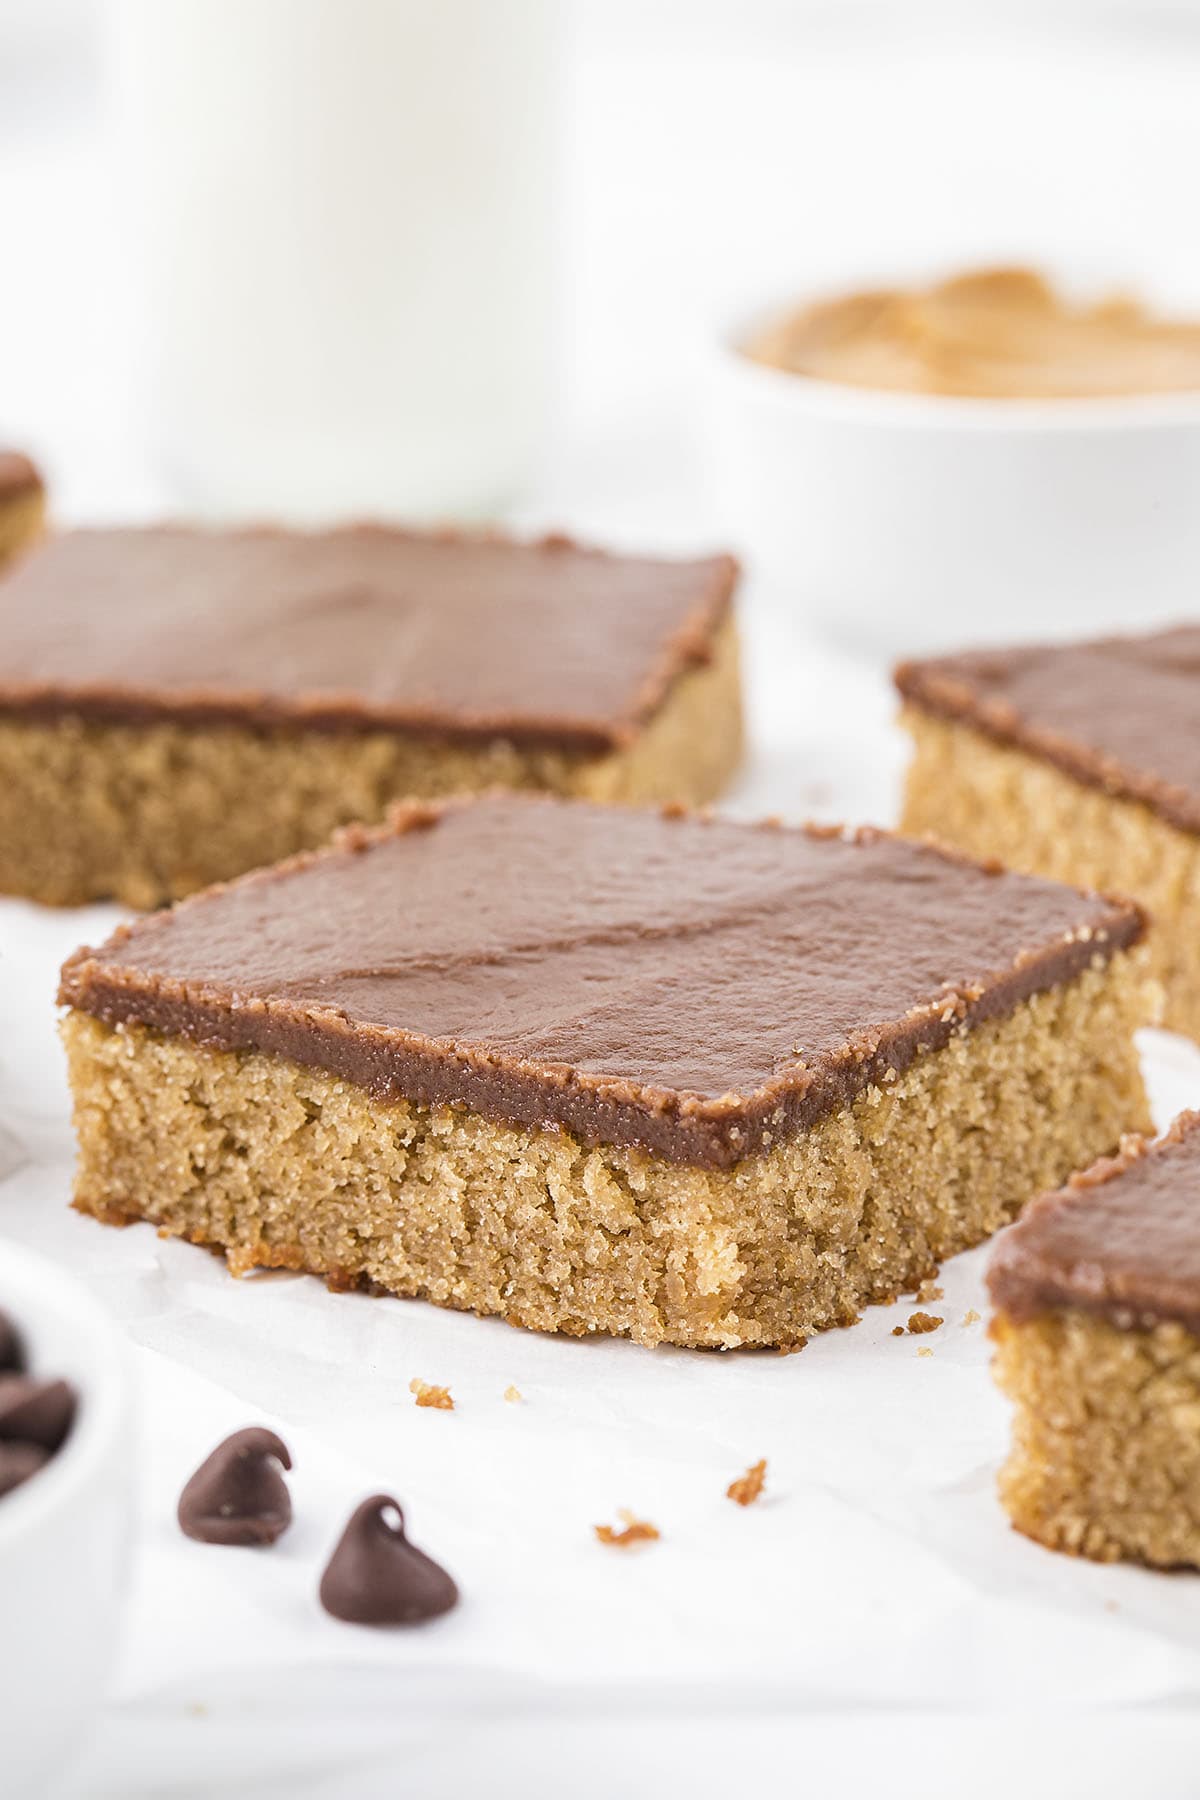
(18, 1462)
(39, 1412)
(12, 1357)
(237, 1495)
(376, 1577)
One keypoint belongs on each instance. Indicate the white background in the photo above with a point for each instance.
(712, 152)
(872, 1625)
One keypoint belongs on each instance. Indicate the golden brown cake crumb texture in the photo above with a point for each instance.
(22, 521)
(148, 813)
(283, 1166)
(425, 1393)
(992, 801)
(746, 1489)
(1106, 1448)
(633, 1531)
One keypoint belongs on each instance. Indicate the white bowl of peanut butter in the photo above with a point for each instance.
(968, 458)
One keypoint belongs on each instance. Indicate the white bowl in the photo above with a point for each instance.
(909, 522)
(65, 1534)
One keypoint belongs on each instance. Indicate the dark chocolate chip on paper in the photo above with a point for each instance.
(376, 1577)
(238, 1494)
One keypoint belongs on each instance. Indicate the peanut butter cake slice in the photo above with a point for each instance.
(595, 1069)
(178, 706)
(22, 503)
(1077, 761)
(1097, 1328)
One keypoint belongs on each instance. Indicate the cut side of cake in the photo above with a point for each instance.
(1097, 1332)
(178, 706)
(22, 504)
(1076, 761)
(602, 1070)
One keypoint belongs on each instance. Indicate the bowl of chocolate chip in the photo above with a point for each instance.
(66, 1461)
(909, 464)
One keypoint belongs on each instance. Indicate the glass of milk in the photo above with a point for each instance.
(343, 223)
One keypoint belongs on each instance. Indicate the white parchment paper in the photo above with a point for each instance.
(877, 1579)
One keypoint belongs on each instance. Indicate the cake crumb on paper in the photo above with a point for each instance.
(746, 1488)
(920, 1322)
(428, 1395)
(513, 1393)
(971, 1317)
(924, 1350)
(634, 1530)
(929, 1290)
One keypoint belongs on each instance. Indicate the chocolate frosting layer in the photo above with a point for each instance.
(693, 986)
(1121, 1240)
(1120, 713)
(357, 629)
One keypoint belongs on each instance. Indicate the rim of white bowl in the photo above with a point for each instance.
(939, 412)
(31, 1287)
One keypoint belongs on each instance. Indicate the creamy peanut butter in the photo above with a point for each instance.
(993, 333)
